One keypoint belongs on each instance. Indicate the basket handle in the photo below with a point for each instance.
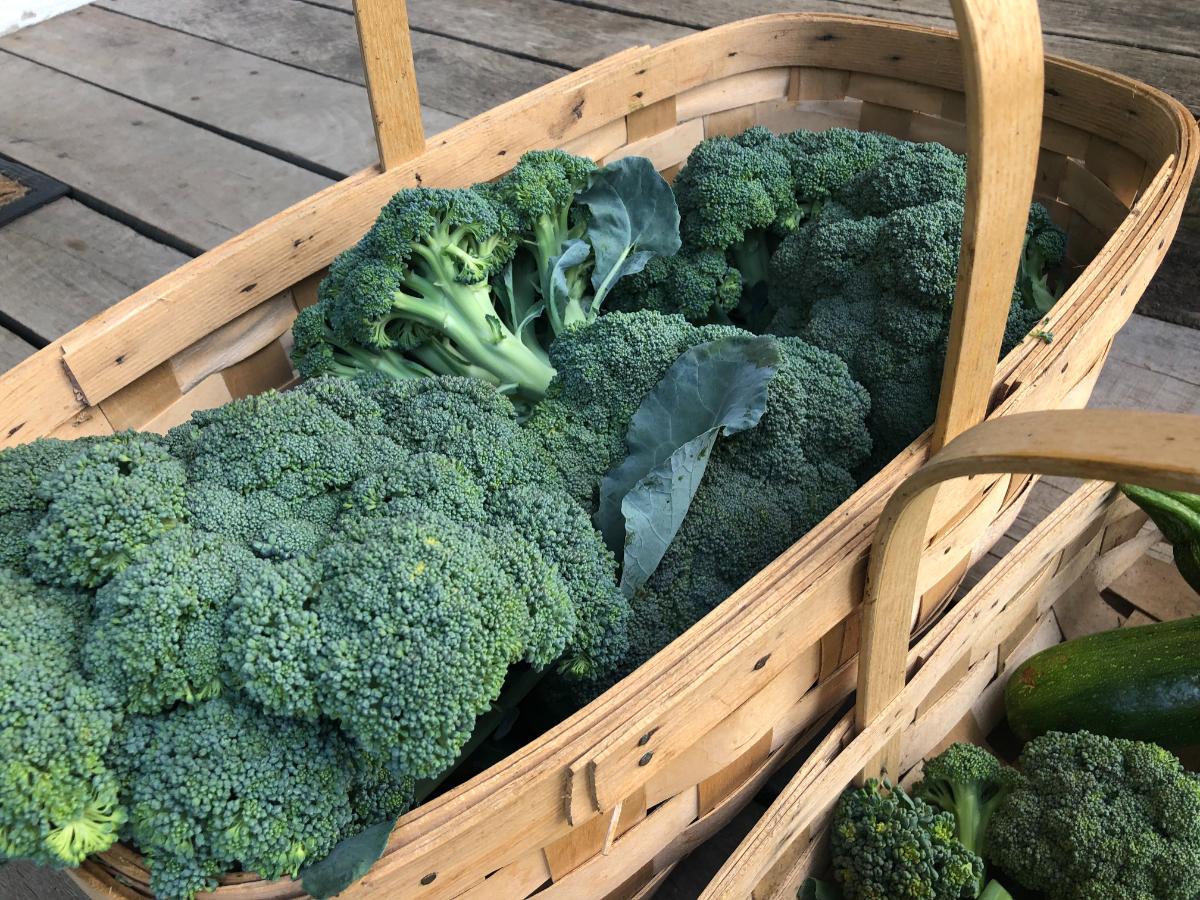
(386, 48)
(1004, 80)
(1159, 450)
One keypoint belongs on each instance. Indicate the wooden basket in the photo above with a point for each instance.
(1046, 589)
(606, 802)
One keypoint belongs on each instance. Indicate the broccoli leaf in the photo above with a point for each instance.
(715, 388)
(633, 217)
(564, 308)
(349, 861)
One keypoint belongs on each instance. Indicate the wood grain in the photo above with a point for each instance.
(324, 41)
(290, 111)
(77, 133)
(64, 263)
(385, 45)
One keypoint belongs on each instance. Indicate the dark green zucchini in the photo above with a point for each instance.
(1141, 683)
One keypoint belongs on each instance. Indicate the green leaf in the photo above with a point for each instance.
(565, 309)
(633, 217)
(349, 861)
(816, 889)
(715, 388)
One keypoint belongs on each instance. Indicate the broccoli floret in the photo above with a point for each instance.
(420, 627)
(376, 794)
(416, 289)
(885, 843)
(698, 284)
(426, 481)
(220, 784)
(158, 631)
(872, 280)
(291, 444)
(22, 469)
(969, 782)
(1095, 818)
(464, 419)
(564, 535)
(824, 162)
(735, 196)
(275, 642)
(103, 505)
(539, 193)
(58, 799)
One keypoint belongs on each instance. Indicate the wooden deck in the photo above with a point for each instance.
(178, 124)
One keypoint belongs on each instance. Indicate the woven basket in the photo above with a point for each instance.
(606, 802)
(1047, 589)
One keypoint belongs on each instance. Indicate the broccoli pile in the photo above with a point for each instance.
(242, 642)
(764, 487)
(1099, 818)
(478, 281)
(849, 240)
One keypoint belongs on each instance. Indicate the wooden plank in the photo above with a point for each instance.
(63, 263)
(72, 131)
(1162, 24)
(385, 44)
(459, 78)
(1174, 73)
(22, 880)
(315, 118)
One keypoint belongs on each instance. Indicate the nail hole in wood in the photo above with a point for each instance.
(429, 879)
(762, 662)
(646, 757)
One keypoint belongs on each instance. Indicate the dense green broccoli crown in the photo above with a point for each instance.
(220, 784)
(735, 196)
(698, 284)
(969, 782)
(886, 844)
(824, 162)
(22, 505)
(58, 799)
(560, 529)
(413, 297)
(421, 626)
(103, 505)
(764, 487)
(1095, 817)
(158, 630)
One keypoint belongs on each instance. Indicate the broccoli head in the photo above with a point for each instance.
(1096, 818)
(698, 284)
(158, 629)
(969, 782)
(59, 800)
(415, 295)
(885, 843)
(220, 784)
(104, 504)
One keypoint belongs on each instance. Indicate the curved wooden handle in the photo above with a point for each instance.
(1003, 73)
(387, 58)
(1159, 450)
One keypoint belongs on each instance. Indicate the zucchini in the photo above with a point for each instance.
(1141, 683)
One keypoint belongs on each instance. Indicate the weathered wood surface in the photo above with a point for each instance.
(290, 111)
(194, 186)
(64, 263)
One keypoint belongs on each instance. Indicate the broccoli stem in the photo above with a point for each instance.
(995, 891)
(752, 257)
(465, 315)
